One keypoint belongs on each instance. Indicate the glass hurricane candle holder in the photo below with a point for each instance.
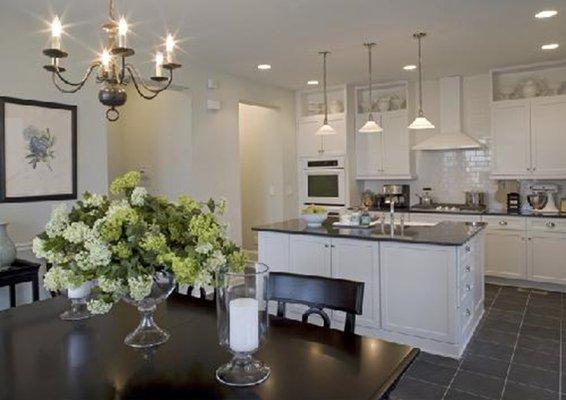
(242, 313)
(79, 297)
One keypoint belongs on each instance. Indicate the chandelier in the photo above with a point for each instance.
(113, 71)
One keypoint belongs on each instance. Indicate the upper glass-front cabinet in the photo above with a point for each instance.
(385, 97)
(529, 81)
(311, 102)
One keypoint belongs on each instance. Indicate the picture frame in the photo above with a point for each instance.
(38, 150)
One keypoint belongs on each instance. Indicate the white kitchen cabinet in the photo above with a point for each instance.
(548, 138)
(309, 144)
(358, 260)
(384, 155)
(273, 251)
(310, 255)
(506, 254)
(529, 136)
(439, 217)
(510, 129)
(418, 291)
(547, 255)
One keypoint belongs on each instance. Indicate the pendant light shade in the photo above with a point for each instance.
(370, 126)
(420, 122)
(325, 129)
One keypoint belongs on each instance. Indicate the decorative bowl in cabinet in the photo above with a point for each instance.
(384, 104)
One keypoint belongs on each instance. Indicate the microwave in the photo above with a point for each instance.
(323, 181)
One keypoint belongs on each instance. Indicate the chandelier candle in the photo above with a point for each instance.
(169, 48)
(159, 64)
(56, 31)
(122, 32)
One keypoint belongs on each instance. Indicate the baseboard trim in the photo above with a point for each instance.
(551, 287)
(26, 246)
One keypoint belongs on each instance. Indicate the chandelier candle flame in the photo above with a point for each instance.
(420, 121)
(113, 71)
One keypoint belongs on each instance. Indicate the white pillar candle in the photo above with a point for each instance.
(244, 327)
(56, 31)
(158, 64)
(122, 32)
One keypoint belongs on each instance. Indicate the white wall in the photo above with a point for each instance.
(262, 169)
(214, 160)
(22, 76)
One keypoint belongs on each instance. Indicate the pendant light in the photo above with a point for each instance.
(325, 129)
(420, 121)
(370, 126)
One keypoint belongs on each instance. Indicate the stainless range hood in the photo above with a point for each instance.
(451, 136)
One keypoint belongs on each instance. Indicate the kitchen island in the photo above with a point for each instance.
(423, 282)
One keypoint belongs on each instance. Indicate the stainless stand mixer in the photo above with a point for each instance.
(542, 200)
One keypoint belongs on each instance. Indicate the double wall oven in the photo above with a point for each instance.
(323, 181)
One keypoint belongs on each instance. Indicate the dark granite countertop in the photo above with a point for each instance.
(444, 233)
(487, 212)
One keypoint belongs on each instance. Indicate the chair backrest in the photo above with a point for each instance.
(317, 293)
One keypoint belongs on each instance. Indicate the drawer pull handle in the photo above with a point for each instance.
(503, 223)
(550, 224)
(468, 288)
(468, 268)
(468, 312)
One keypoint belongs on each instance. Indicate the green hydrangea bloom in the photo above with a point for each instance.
(125, 182)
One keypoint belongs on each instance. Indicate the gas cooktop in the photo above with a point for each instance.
(447, 207)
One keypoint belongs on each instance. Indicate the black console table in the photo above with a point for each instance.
(20, 271)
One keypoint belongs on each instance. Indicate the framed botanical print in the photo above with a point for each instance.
(38, 150)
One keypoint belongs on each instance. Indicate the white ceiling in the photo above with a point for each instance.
(466, 36)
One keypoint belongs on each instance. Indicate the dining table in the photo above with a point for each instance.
(44, 357)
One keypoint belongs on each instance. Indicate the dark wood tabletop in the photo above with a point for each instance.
(42, 357)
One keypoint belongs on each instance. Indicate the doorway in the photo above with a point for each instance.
(261, 169)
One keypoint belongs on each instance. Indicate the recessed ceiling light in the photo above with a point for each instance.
(550, 46)
(264, 67)
(546, 14)
(313, 82)
(409, 67)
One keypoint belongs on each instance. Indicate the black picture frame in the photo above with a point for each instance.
(25, 102)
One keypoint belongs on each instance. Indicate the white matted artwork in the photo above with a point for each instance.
(38, 158)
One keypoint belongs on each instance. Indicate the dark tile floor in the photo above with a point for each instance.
(515, 354)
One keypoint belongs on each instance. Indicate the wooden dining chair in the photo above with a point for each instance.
(317, 293)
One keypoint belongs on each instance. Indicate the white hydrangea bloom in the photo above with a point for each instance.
(98, 252)
(117, 206)
(216, 260)
(56, 279)
(138, 196)
(82, 261)
(97, 306)
(222, 204)
(40, 252)
(140, 286)
(204, 248)
(111, 286)
(94, 200)
(77, 232)
(203, 279)
(37, 247)
(58, 221)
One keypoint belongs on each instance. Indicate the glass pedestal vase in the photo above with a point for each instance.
(242, 314)
(147, 333)
(79, 297)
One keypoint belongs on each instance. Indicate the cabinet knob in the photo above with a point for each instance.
(503, 223)
(535, 168)
(550, 224)
(468, 312)
(468, 268)
(528, 169)
(468, 288)
(468, 248)
(326, 246)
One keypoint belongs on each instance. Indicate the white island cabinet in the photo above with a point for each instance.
(421, 294)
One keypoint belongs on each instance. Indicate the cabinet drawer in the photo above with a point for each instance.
(541, 224)
(505, 222)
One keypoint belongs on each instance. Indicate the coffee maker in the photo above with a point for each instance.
(399, 194)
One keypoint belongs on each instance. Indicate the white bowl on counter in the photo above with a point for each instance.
(314, 220)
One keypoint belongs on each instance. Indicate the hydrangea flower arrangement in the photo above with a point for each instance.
(122, 242)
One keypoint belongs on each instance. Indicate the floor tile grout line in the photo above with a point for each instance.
(486, 312)
(514, 348)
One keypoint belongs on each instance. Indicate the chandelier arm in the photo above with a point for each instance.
(75, 89)
(138, 83)
(82, 81)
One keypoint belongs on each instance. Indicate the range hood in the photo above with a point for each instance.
(451, 136)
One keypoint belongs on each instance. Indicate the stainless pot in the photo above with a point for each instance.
(475, 199)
